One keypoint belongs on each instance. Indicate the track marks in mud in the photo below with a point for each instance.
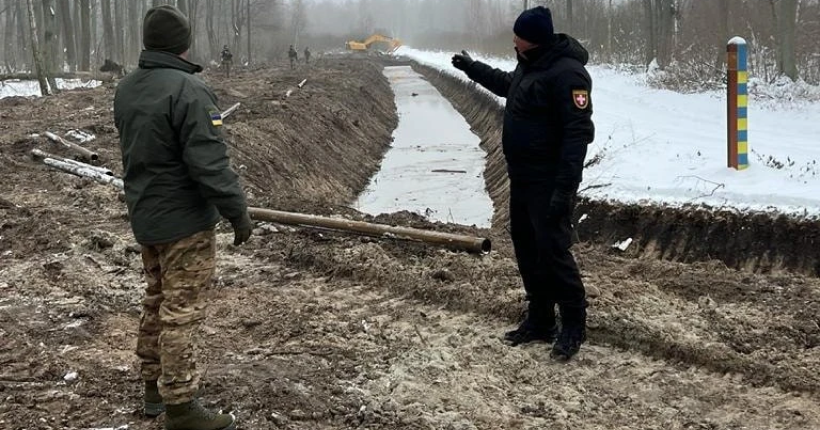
(765, 346)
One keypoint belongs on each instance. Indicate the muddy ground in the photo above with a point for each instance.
(318, 330)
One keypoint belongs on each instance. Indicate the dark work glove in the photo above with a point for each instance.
(462, 61)
(242, 229)
(561, 205)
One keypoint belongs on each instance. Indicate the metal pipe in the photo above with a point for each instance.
(39, 155)
(478, 245)
(84, 172)
(83, 152)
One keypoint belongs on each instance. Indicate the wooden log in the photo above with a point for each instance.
(105, 77)
(39, 155)
(79, 150)
(230, 110)
(473, 244)
(84, 172)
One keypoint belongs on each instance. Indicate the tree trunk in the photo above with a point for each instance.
(70, 42)
(8, 37)
(108, 31)
(50, 55)
(134, 42)
(119, 30)
(85, 35)
(192, 10)
(213, 42)
(609, 42)
(649, 28)
(249, 31)
(569, 17)
(42, 79)
(23, 33)
(236, 24)
(182, 5)
(665, 31)
(786, 29)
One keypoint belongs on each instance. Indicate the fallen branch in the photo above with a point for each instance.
(82, 152)
(448, 171)
(84, 172)
(230, 110)
(39, 155)
(717, 185)
(594, 187)
(106, 77)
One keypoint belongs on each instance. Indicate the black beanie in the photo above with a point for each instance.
(165, 28)
(535, 26)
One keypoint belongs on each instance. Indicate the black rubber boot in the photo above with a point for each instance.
(539, 326)
(193, 416)
(573, 333)
(152, 401)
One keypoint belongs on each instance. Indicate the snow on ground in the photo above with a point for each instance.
(668, 148)
(18, 88)
(435, 166)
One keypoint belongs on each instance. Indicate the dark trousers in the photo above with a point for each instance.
(542, 248)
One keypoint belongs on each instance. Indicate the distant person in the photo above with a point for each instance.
(547, 127)
(178, 181)
(227, 60)
(307, 55)
(293, 55)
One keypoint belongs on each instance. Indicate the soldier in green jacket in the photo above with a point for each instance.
(178, 182)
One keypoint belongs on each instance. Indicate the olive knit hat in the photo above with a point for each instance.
(165, 28)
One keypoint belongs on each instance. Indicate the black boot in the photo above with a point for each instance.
(193, 416)
(573, 333)
(539, 326)
(152, 401)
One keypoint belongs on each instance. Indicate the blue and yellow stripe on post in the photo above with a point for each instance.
(738, 103)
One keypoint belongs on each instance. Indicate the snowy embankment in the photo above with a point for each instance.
(662, 147)
(18, 88)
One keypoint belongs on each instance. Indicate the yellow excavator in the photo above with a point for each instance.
(393, 44)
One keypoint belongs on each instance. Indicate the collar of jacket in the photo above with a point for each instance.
(166, 60)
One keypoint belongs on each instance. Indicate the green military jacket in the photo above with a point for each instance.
(177, 175)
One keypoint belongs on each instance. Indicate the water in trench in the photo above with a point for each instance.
(435, 167)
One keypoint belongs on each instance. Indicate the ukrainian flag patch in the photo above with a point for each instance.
(216, 118)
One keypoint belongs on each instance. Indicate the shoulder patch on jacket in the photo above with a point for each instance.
(580, 98)
(216, 117)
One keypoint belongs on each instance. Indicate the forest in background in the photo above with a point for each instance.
(686, 38)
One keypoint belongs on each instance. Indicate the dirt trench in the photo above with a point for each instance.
(310, 329)
(757, 242)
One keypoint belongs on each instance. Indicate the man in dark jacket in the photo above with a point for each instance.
(178, 182)
(547, 127)
(227, 60)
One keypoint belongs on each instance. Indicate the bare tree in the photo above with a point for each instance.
(49, 51)
(298, 19)
(134, 42)
(8, 36)
(108, 31)
(85, 35)
(786, 29)
(69, 41)
(39, 66)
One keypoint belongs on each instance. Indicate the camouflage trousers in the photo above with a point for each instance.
(172, 310)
